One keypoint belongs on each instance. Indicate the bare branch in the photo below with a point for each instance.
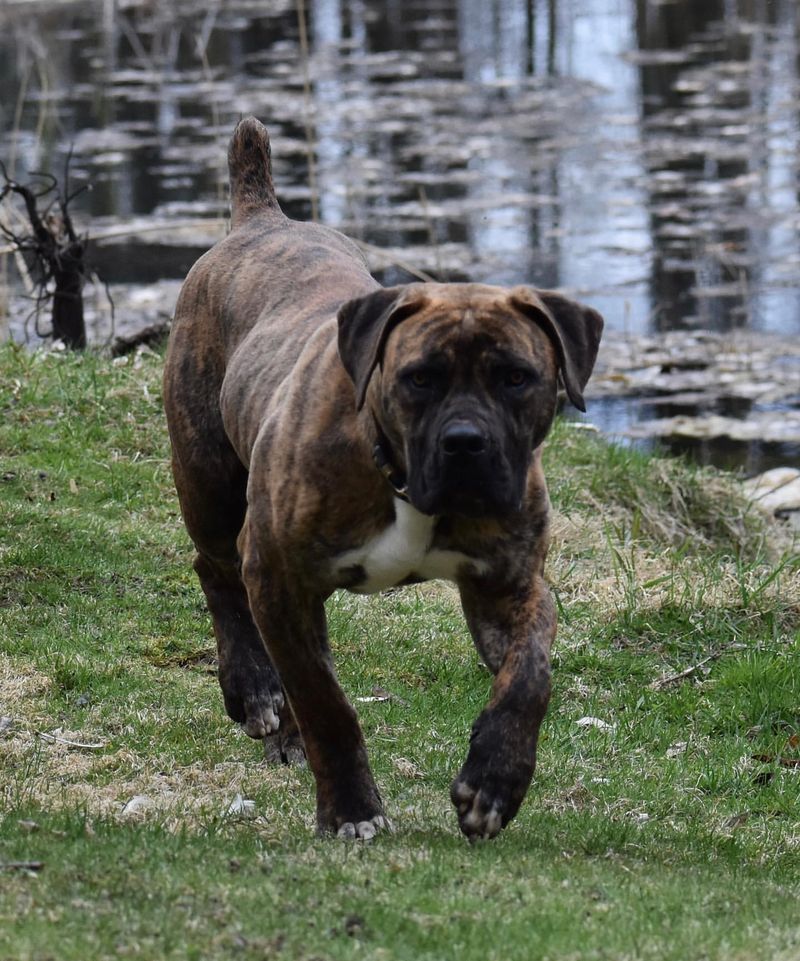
(53, 251)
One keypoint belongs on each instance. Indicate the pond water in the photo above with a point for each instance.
(640, 154)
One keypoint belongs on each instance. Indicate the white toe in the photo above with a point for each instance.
(493, 823)
(366, 830)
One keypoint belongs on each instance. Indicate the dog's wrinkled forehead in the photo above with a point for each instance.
(372, 328)
(463, 326)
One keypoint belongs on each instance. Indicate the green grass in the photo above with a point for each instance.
(658, 837)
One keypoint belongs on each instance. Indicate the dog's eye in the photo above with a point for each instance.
(420, 380)
(517, 378)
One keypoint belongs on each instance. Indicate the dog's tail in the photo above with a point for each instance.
(250, 169)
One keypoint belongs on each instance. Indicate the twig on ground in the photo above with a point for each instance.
(21, 865)
(681, 675)
(154, 334)
(55, 739)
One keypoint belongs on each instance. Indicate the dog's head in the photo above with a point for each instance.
(462, 378)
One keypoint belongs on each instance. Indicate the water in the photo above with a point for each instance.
(641, 155)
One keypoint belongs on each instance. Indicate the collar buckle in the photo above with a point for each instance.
(384, 464)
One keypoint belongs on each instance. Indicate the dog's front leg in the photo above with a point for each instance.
(292, 624)
(513, 631)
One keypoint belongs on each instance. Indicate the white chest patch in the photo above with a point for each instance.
(403, 549)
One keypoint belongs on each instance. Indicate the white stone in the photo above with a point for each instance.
(595, 722)
(137, 805)
(241, 807)
(776, 490)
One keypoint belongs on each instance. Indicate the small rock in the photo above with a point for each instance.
(241, 807)
(596, 722)
(354, 925)
(407, 768)
(137, 805)
(736, 820)
(776, 490)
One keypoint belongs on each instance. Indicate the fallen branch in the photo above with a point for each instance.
(682, 675)
(55, 739)
(147, 337)
(21, 865)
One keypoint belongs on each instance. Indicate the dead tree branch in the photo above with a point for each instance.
(54, 252)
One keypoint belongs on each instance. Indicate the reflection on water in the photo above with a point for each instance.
(616, 414)
(642, 154)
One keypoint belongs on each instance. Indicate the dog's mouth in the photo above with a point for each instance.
(485, 493)
(469, 505)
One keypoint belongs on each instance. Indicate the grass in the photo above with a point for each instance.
(659, 835)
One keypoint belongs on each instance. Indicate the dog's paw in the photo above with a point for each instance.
(284, 747)
(253, 696)
(350, 808)
(364, 830)
(492, 783)
(262, 714)
(480, 814)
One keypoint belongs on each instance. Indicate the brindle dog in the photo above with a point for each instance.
(330, 433)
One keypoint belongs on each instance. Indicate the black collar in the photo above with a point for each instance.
(381, 454)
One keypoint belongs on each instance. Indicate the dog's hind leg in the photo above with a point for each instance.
(211, 483)
(251, 687)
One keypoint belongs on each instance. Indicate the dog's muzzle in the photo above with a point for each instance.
(464, 472)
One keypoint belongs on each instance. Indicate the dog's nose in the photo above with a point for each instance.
(462, 437)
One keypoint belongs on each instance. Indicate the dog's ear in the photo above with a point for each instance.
(364, 327)
(574, 330)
